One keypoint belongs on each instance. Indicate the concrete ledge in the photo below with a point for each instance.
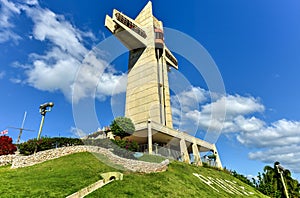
(107, 178)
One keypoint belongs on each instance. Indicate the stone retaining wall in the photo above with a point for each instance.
(18, 161)
(6, 159)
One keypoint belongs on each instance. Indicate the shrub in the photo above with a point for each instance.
(46, 143)
(6, 146)
(122, 126)
(110, 144)
(127, 144)
(27, 148)
(123, 153)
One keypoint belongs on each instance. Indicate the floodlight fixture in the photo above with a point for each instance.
(44, 108)
(280, 168)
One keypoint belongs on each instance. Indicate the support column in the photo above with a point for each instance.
(218, 161)
(184, 152)
(197, 159)
(169, 150)
(149, 137)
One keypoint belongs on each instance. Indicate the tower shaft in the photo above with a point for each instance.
(148, 95)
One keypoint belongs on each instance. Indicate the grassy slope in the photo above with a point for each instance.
(54, 178)
(63, 176)
(177, 181)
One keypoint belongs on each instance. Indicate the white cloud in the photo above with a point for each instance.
(189, 110)
(194, 95)
(190, 98)
(185, 108)
(55, 69)
(249, 124)
(58, 76)
(8, 35)
(277, 141)
(279, 133)
(288, 156)
(54, 28)
(7, 11)
(235, 105)
(32, 2)
(97, 78)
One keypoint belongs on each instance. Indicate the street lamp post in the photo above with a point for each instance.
(44, 108)
(280, 170)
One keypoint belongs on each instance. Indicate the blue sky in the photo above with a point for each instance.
(255, 45)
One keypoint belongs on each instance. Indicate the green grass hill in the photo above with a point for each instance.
(66, 175)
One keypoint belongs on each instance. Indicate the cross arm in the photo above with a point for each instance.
(128, 31)
(170, 58)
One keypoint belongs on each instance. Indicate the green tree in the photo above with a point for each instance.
(292, 185)
(122, 126)
(270, 183)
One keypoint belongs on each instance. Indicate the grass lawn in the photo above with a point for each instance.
(54, 178)
(66, 175)
(177, 181)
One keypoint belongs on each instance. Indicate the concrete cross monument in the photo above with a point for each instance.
(148, 95)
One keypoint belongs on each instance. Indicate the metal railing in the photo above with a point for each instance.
(130, 25)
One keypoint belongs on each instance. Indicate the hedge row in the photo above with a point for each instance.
(46, 143)
(118, 147)
(122, 148)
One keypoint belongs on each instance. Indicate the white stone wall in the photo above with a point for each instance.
(6, 159)
(18, 161)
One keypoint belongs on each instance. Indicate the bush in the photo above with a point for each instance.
(242, 178)
(123, 153)
(27, 148)
(110, 144)
(6, 146)
(122, 126)
(46, 143)
(127, 144)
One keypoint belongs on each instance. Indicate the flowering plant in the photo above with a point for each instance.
(6, 146)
